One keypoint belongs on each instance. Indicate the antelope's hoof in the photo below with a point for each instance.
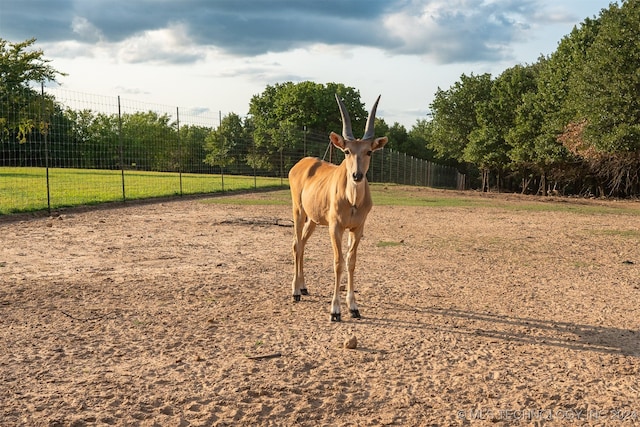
(296, 298)
(335, 317)
(304, 291)
(355, 314)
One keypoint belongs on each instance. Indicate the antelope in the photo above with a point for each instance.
(336, 196)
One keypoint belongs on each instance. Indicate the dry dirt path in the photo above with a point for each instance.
(489, 315)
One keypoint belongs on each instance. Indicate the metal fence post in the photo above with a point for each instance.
(46, 146)
(120, 139)
(179, 147)
(381, 165)
(404, 169)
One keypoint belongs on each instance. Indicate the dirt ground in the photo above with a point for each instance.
(179, 313)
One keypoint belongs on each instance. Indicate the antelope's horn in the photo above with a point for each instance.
(347, 133)
(369, 132)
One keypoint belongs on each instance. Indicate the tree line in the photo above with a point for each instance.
(37, 130)
(568, 123)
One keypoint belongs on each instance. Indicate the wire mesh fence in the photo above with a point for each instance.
(61, 148)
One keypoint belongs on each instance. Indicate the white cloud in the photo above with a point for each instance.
(69, 49)
(459, 30)
(86, 31)
(130, 90)
(167, 45)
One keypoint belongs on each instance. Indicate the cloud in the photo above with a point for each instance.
(460, 30)
(68, 49)
(130, 91)
(257, 71)
(247, 27)
(44, 19)
(199, 111)
(168, 45)
(266, 27)
(86, 31)
(167, 31)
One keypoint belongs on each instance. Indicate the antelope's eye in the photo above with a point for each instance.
(347, 152)
(369, 152)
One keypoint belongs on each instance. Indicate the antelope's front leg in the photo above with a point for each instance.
(338, 266)
(354, 241)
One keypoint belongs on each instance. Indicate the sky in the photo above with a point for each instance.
(212, 56)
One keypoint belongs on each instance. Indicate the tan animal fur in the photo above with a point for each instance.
(336, 196)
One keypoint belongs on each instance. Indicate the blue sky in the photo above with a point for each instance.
(214, 55)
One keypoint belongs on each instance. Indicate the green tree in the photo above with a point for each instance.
(20, 66)
(420, 136)
(79, 132)
(604, 92)
(103, 132)
(455, 117)
(546, 111)
(282, 112)
(533, 137)
(400, 137)
(605, 89)
(257, 157)
(192, 140)
(221, 143)
(488, 147)
(150, 141)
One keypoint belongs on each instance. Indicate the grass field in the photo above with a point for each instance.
(25, 189)
(385, 194)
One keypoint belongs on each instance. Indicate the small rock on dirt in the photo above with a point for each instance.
(351, 342)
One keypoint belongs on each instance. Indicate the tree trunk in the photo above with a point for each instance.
(485, 180)
(525, 184)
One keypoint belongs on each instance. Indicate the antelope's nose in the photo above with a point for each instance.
(357, 176)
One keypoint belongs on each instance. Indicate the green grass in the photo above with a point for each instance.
(632, 234)
(386, 244)
(272, 198)
(399, 195)
(25, 189)
(396, 195)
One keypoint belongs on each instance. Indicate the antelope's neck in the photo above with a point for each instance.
(355, 192)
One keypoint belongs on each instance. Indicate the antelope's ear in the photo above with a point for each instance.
(378, 143)
(337, 140)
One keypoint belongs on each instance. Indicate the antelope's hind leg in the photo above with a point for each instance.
(307, 231)
(303, 228)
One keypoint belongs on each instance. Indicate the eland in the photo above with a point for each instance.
(336, 196)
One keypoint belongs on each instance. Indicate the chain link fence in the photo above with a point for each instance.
(61, 148)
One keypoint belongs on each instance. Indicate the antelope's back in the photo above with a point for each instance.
(309, 171)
